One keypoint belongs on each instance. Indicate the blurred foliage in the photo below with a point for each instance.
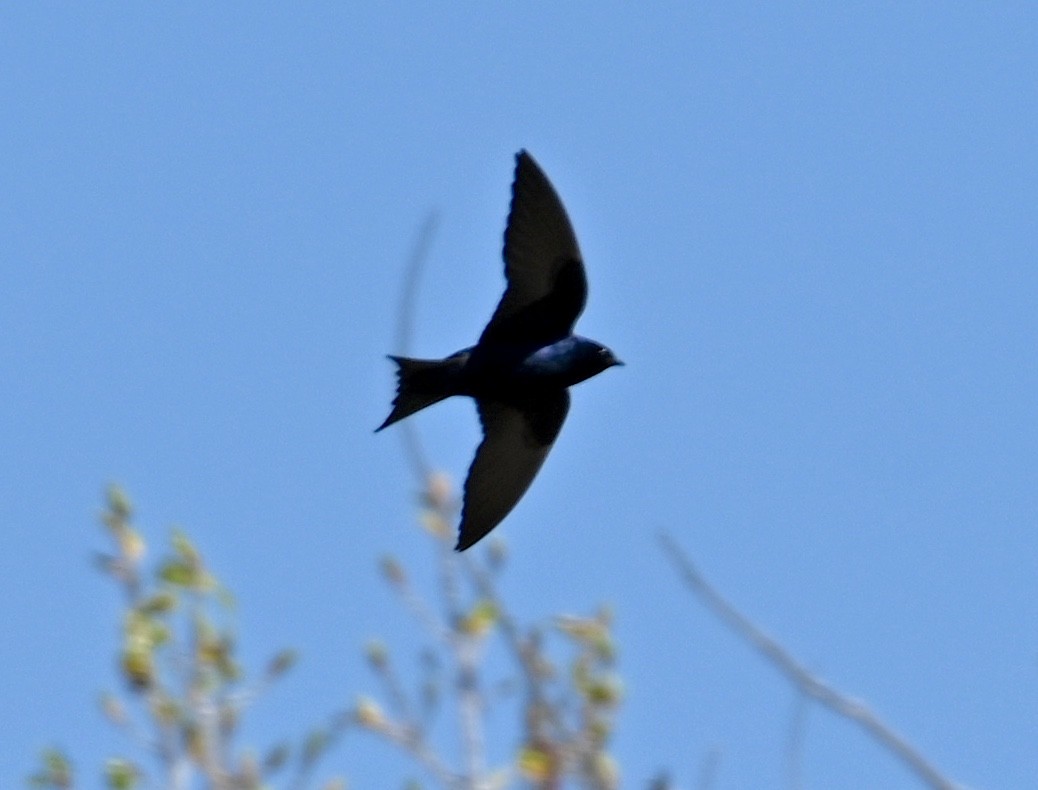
(184, 691)
(185, 694)
(55, 771)
(566, 709)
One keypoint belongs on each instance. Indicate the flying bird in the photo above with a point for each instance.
(519, 371)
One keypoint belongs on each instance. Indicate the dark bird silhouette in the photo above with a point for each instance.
(525, 359)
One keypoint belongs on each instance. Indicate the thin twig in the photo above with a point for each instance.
(405, 330)
(526, 656)
(396, 693)
(449, 572)
(470, 709)
(796, 673)
(423, 613)
(708, 769)
(797, 728)
(465, 650)
(415, 744)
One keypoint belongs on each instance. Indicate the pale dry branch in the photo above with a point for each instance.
(808, 684)
(416, 456)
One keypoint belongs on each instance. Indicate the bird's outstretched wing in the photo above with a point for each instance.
(516, 440)
(547, 287)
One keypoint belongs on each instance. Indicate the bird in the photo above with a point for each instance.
(526, 358)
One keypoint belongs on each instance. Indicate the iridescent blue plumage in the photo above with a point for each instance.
(525, 359)
(567, 362)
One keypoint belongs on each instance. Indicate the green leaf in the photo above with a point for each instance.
(435, 524)
(536, 764)
(118, 502)
(159, 603)
(138, 665)
(605, 691)
(281, 663)
(377, 654)
(224, 596)
(369, 714)
(178, 573)
(480, 620)
(393, 571)
(606, 772)
(164, 708)
(314, 746)
(497, 553)
(185, 549)
(113, 708)
(276, 758)
(121, 774)
(56, 773)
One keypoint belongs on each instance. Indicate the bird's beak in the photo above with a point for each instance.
(618, 362)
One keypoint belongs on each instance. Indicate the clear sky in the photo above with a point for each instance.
(811, 231)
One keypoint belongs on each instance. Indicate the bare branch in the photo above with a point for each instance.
(527, 657)
(808, 684)
(709, 768)
(416, 456)
(414, 743)
(797, 729)
(470, 709)
(433, 625)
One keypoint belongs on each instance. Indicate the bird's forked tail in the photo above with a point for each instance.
(423, 382)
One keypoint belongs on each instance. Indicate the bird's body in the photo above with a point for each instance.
(519, 371)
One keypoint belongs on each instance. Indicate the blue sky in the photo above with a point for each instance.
(810, 231)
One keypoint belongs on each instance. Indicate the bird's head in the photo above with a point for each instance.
(591, 358)
(607, 359)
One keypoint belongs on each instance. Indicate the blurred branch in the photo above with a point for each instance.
(185, 691)
(797, 729)
(524, 650)
(568, 717)
(416, 456)
(808, 684)
(708, 769)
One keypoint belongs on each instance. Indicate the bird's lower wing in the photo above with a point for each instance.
(516, 440)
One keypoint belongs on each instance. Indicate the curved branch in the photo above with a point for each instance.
(405, 330)
(807, 683)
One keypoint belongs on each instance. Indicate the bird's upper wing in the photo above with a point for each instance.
(547, 286)
(516, 440)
